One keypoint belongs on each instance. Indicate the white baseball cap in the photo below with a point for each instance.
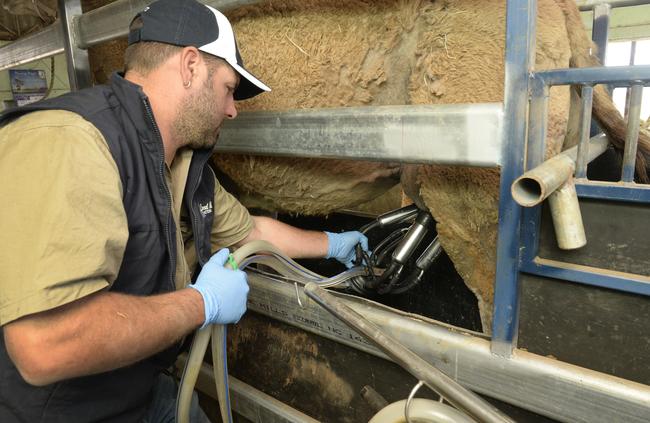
(190, 23)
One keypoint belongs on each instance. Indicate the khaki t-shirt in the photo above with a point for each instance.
(63, 227)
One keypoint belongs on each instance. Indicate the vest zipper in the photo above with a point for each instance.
(198, 243)
(171, 248)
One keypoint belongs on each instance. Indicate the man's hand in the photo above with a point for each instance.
(224, 291)
(342, 246)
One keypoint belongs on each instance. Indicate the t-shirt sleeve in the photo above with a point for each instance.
(62, 224)
(232, 221)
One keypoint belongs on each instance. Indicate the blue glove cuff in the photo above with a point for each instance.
(210, 307)
(330, 244)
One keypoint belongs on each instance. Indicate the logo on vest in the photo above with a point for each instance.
(206, 208)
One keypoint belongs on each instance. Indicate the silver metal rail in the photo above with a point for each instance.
(97, 26)
(112, 21)
(600, 29)
(632, 134)
(467, 134)
(77, 58)
(454, 393)
(40, 45)
(591, 4)
(546, 386)
(587, 95)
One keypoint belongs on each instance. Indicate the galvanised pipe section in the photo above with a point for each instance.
(554, 179)
(453, 392)
(534, 186)
(567, 220)
(632, 134)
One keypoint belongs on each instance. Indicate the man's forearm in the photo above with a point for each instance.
(98, 333)
(295, 242)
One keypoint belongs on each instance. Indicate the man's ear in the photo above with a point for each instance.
(190, 59)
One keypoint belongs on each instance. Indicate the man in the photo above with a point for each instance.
(108, 204)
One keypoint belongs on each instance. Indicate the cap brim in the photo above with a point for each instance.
(249, 86)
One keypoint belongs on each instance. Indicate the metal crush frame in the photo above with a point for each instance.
(510, 126)
(518, 248)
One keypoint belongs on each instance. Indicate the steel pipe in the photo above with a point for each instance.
(452, 391)
(553, 179)
(600, 29)
(567, 220)
(534, 186)
(587, 94)
(76, 58)
(632, 134)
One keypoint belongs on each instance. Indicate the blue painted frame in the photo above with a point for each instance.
(606, 191)
(618, 76)
(518, 235)
(613, 192)
(520, 40)
(587, 275)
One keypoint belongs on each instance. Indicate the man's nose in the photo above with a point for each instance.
(231, 111)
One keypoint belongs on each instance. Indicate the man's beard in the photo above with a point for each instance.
(196, 124)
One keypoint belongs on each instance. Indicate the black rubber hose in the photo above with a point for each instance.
(374, 283)
(369, 226)
(381, 255)
(413, 279)
(386, 289)
(398, 233)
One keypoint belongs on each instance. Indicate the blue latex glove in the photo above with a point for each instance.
(224, 291)
(342, 246)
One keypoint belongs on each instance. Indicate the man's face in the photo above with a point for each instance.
(201, 113)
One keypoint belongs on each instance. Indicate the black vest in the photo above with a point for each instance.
(123, 115)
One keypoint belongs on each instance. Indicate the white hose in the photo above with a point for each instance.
(274, 259)
(421, 411)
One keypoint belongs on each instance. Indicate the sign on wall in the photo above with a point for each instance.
(27, 85)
